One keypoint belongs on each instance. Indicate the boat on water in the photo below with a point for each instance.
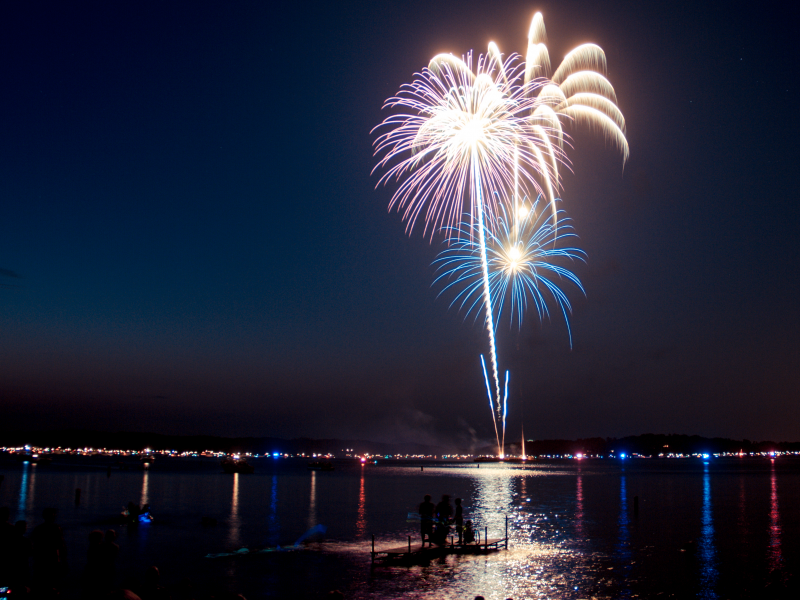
(134, 514)
(320, 465)
(237, 465)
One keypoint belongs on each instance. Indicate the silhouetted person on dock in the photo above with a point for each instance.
(109, 552)
(20, 550)
(49, 555)
(93, 574)
(133, 513)
(444, 510)
(469, 533)
(444, 513)
(426, 510)
(151, 587)
(5, 526)
(459, 519)
(6, 531)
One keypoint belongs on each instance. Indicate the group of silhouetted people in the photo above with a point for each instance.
(45, 551)
(437, 520)
(44, 548)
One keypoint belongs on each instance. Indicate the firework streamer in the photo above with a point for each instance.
(487, 299)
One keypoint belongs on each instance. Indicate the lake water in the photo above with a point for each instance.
(723, 528)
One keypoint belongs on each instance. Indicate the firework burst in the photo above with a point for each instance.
(523, 256)
(468, 139)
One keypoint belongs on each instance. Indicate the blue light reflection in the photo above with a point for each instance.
(23, 491)
(708, 552)
(623, 551)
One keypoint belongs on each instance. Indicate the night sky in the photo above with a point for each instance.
(191, 240)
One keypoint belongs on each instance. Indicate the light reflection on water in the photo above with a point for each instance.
(22, 505)
(273, 523)
(623, 555)
(234, 538)
(579, 503)
(742, 517)
(708, 553)
(361, 519)
(542, 561)
(145, 495)
(312, 502)
(775, 558)
(572, 530)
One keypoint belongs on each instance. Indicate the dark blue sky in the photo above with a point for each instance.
(191, 241)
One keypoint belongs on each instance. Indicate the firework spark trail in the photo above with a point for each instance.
(487, 298)
(489, 394)
(505, 414)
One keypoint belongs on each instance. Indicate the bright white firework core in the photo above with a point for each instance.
(472, 132)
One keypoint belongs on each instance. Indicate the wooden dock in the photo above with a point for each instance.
(418, 553)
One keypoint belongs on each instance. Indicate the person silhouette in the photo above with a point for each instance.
(6, 534)
(444, 512)
(49, 554)
(458, 520)
(469, 533)
(20, 549)
(426, 509)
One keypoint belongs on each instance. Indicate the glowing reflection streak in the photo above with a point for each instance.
(274, 525)
(775, 557)
(23, 491)
(361, 520)
(579, 504)
(493, 500)
(312, 502)
(743, 529)
(623, 553)
(31, 491)
(145, 495)
(234, 538)
(708, 552)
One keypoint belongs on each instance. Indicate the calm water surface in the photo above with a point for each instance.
(725, 528)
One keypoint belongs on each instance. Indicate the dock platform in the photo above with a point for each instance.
(415, 552)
